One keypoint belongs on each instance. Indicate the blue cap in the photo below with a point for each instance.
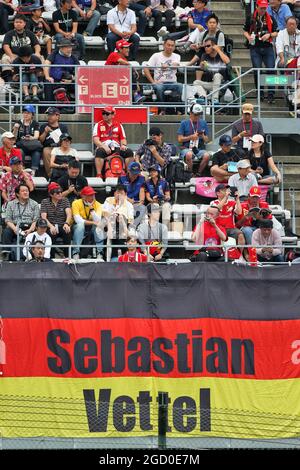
(29, 108)
(134, 168)
(225, 140)
(14, 160)
(155, 167)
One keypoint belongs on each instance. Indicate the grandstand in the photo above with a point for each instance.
(120, 331)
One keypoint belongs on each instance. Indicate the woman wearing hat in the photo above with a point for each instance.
(262, 163)
(27, 132)
(61, 156)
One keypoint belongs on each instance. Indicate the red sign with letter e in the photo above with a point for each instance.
(103, 85)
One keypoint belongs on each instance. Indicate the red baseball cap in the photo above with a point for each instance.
(255, 191)
(262, 3)
(122, 43)
(87, 191)
(109, 109)
(52, 186)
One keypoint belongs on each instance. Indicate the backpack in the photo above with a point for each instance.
(61, 97)
(228, 46)
(181, 174)
(114, 167)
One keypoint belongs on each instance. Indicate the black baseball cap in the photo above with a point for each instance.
(221, 186)
(41, 223)
(155, 131)
(52, 110)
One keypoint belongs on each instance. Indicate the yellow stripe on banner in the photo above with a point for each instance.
(128, 407)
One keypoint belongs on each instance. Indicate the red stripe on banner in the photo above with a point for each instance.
(139, 347)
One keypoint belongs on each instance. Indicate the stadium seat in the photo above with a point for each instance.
(40, 182)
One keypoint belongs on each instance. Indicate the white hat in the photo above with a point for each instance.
(8, 135)
(196, 108)
(243, 164)
(257, 138)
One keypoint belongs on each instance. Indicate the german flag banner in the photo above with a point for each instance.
(91, 351)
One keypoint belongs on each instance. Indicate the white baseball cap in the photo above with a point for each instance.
(196, 108)
(243, 164)
(257, 138)
(8, 135)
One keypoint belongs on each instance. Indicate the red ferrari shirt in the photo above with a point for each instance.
(211, 238)
(4, 157)
(245, 210)
(114, 132)
(133, 258)
(113, 58)
(226, 215)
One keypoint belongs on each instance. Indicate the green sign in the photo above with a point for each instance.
(276, 80)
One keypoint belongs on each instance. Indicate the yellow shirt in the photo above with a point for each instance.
(78, 208)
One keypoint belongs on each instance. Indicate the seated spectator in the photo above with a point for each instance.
(39, 235)
(193, 134)
(220, 160)
(87, 10)
(13, 178)
(65, 23)
(119, 215)
(64, 73)
(196, 38)
(57, 212)
(158, 192)
(228, 209)
(154, 151)
(143, 12)
(20, 218)
(154, 234)
(212, 70)
(165, 77)
(50, 5)
(252, 213)
(38, 253)
(132, 255)
(262, 162)
(260, 29)
(243, 180)
(13, 40)
(245, 128)
(121, 22)
(31, 71)
(160, 9)
(61, 156)
(109, 137)
(42, 31)
(134, 183)
(210, 234)
(196, 19)
(26, 132)
(87, 213)
(72, 183)
(268, 239)
(288, 43)
(7, 8)
(49, 135)
(8, 150)
(279, 12)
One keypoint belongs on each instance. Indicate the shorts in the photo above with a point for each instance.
(233, 232)
(196, 156)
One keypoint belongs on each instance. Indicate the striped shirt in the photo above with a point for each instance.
(56, 214)
(22, 213)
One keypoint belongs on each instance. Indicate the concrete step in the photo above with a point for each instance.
(227, 6)
(288, 159)
(234, 30)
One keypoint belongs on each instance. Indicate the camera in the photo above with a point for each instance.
(233, 190)
(67, 76)
(149, 142)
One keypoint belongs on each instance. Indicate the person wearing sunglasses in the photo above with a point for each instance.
(109, 138)
(56, 210)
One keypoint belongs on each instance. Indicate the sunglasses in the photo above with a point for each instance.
(207, 45)
(56, 191)
(105, 113)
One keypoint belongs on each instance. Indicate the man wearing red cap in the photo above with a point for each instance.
(260, 29)
(109, 138)
(87, 214)
(56, 210)
(252, 214)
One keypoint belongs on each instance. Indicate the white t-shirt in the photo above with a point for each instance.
(164, 74)
(122, 20)
(196, 37)
(71, 153)
(34, 236)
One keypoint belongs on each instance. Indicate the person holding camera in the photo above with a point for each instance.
(20, 218)
(158, 192)
(229, 205)
(245, 128)
(49, 135)
(193, 135)
(253, 210)
(243, 180)
(209, 233)
(262, 162)
(109, 137)
(154, 151)
(222, 158)
(72, 183)
(39, 235)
